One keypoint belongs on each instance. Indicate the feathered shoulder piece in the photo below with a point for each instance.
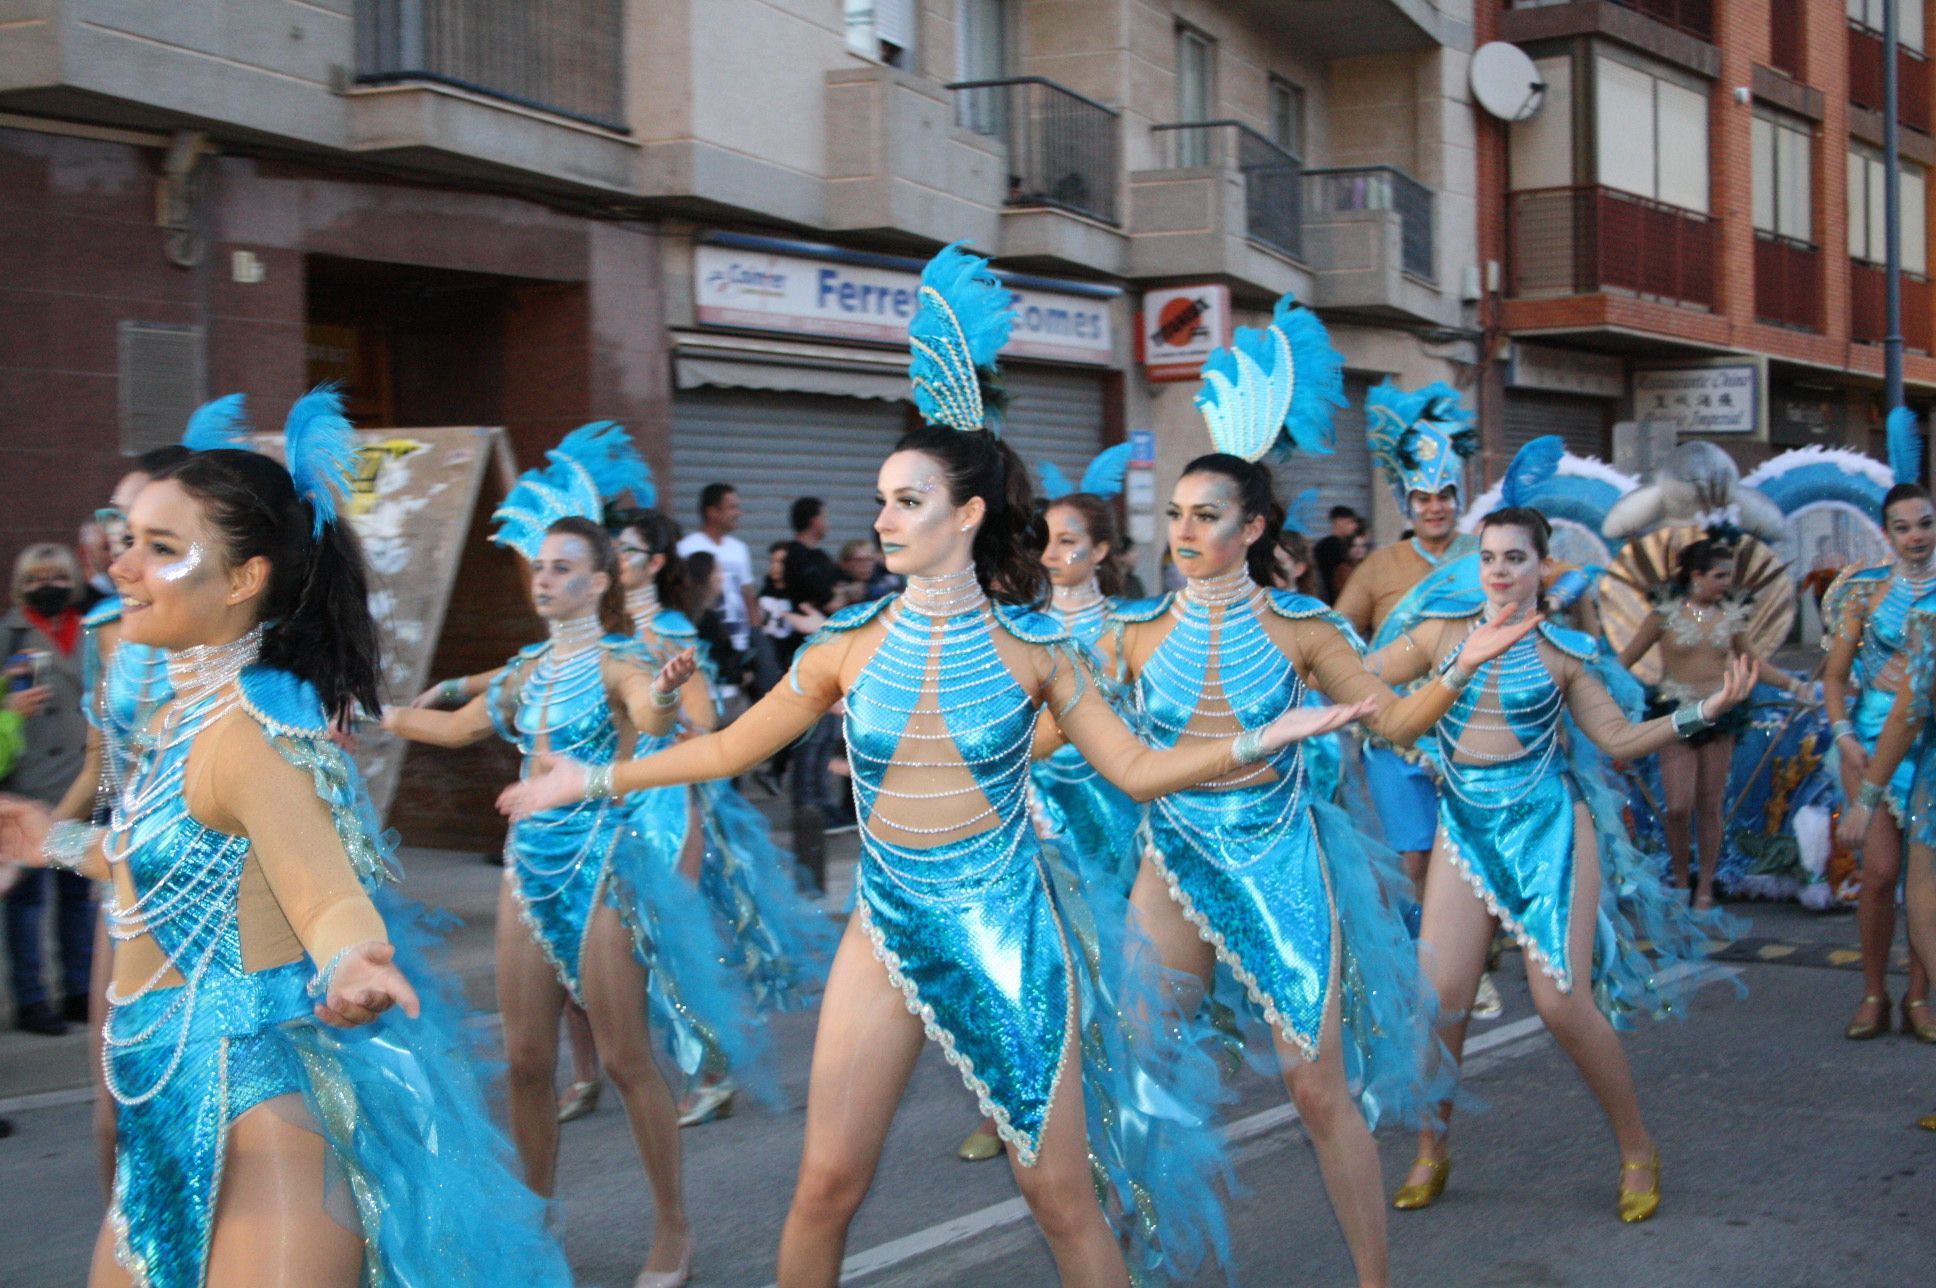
(220, 423)
(1839, 599)
(1273, 388)
(1031, 625)
(962, 321)
(1141, 610)
(1419, 437)
(1577, 644)
(1103, 477)
(606, 452)
(319, 445)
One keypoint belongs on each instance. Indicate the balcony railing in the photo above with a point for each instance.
(1064, 150)
(1788, 282)
(1868, 306)
(1378, 187)
(1582, 241)
(1785, 38)
(1865, 77)
(1273, 178)
(564, 57)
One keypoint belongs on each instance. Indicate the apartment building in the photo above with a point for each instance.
(704, 218)
(1690, 229)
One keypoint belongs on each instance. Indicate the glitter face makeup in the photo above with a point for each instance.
(175, 585)
(1069, 555)
(1207, 525)
(563, 581)
(184, 567)
(921, 531)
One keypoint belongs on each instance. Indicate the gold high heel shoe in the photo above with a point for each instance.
(979, 1146)
(1922, 1029)
(1927, 1122)
(1638, 1205)
(1860, 1032)
(1423, 1193)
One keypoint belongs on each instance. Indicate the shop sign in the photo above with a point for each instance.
(1721, 399)
(1179, 327)
(1142, 449)
(1565, 371)
(764, 291)
(1805, 418)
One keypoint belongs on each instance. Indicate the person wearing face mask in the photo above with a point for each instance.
(42, 635)
(594, 907)
(250, 921)
(1531, 837)
(1698, 622)
(1864, 615)
(962, 932)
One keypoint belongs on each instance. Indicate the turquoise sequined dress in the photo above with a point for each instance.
(1883, 637)
(1083, 813)
(434, 1186)
(1508, 828)
(564, 863)
(1280, 883)
(1919, 648)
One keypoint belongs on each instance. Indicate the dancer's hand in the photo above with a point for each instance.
(678, 669)
(23, 831)
(365, 985)
(1739, 683)
(1855, 757)
(1852, 828)
(27, 703)
(1489, 639)
(1300, 723)
(555, 781)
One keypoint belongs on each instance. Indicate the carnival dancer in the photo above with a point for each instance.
(591, 908)
(1863, 618)
(1089, 819)
(255, 1146)
(1531, 838)
(1252, 869)
(1699, 620)
(960, 929)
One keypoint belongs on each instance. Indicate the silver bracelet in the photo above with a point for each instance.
(1455, 677)
(67, 844)
(1248, 747)
(664, 701)
(1842, 729)
(318, 987)
(1869, 795)
(455, 690)
(598, 782)
(1689, 720)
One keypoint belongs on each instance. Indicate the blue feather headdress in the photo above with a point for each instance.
(221, 423)
(1419, 437)
(962, 322)
(1305, 514)
(1275, 388)
(586, 468)
(319, 445)
(1905, 445)
(1103, 477)
(606, 452)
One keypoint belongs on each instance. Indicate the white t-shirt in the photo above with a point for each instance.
(735, 572)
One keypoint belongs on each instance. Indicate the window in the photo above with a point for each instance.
(1867, 230)
(1909, 19)
(1195, 64)
(1652, 136)
(1540, 151)
(984, 39)
(1783, 193)
(1287, 115)
(881, 29)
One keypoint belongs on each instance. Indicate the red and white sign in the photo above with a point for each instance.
(1179, 327)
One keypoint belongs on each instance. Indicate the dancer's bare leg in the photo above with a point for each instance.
(863, 1052)
(581, 1046)
(529, 998)
(271, 1226)
(1876, 919)
(1454, 938)
(1714, 759)
(1919, 901)
(103, 1271)
(1681, 784)
(1061, 1192)
(615, 1001)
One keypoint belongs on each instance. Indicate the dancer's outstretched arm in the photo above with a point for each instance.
(460, 728)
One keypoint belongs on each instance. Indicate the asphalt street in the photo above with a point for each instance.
(1790, 1156)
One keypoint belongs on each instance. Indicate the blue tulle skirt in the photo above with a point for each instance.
(781, 945)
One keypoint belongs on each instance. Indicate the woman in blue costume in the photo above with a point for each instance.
(1250, 869)
(959, 930)
(1863, 616)
(590, 909)
(257, 1147)
(1531, 838)
(1904, 741)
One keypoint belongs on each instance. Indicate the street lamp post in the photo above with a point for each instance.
(1892, 217)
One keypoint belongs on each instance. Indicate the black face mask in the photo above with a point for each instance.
(48, 600)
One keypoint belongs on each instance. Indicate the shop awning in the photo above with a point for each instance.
(734, 362)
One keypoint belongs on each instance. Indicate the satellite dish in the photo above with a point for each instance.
(1506, 83)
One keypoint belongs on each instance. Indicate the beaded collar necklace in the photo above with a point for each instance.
(947, 595)
(1220, 592)
(571, 636)
(1069, 600)
(642, 605)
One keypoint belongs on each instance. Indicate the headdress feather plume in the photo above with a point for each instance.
(1305, 513)
(962, 321)
(563, 489)
(1905, 445)
(1272, 387)
(1054, 482)
(220, 423)
(606, 452)
(319, 443)
(1420, 437)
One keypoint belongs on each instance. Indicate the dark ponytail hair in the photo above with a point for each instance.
(1902, 492)
(1699, 556)
(661, 536)
(315, 609)
(1008, 562)
(1259, 499)
(611, 604)
(1525, 518)
(1099, 521)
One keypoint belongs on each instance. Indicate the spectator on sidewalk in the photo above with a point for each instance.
(739, 606)
(863, 578)
(809, 575)
(1331, 550)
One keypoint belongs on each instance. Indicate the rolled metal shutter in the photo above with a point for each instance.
(1582, 422)
(773, 447)
(1343, 477)
(1056, 415)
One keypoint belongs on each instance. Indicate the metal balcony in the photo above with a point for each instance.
(1273, 178)
(564, 57)
(1378, 187)
(1586, 240)
(1868, 306)
(1788, 282)
(1064, 149)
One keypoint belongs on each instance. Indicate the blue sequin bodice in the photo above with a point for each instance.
(1254, 679)
(1883, 633)
(560, 706)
